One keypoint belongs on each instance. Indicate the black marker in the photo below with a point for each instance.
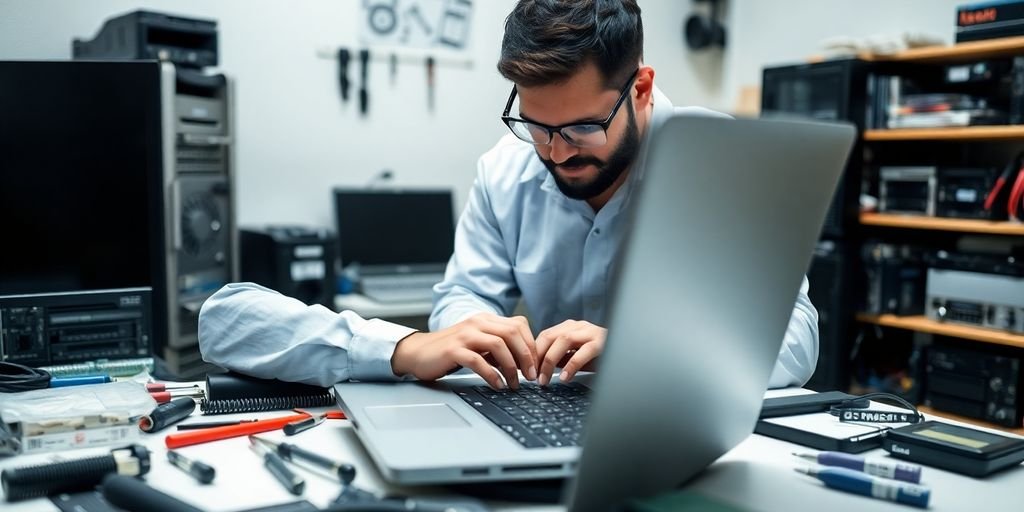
(204, 473)
(294, 483)
(346, 472)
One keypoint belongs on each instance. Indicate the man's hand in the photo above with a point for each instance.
(475, 343)
(573, 344)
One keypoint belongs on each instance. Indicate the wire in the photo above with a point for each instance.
(1015, 206)
(16, 377)
(851, 403)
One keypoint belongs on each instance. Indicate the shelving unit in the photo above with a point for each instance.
(921, 323)
(942, 224)
(879, 147)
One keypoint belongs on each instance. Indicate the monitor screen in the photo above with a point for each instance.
(394, 227)
(79, 145)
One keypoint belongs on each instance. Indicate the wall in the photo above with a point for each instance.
(295, 139)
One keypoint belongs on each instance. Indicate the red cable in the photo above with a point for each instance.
(1016, 201)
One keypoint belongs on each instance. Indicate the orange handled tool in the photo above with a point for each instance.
(207, 435)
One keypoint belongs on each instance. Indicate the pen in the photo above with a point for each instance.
(859, 483)
(873, 466)
(211, 424)
(304, 424)
(346, 472)
(294, 483)
(153, 387)
(60, 382)
(204, 473)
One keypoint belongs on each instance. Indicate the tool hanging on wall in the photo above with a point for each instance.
(343, 82)
(393, 68)
(364, 71)
(431, 75)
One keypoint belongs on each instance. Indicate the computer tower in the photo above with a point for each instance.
(825, 91)
(296, 261)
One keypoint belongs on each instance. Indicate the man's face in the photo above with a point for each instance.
(583, 173)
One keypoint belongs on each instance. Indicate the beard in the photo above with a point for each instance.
(607, 171)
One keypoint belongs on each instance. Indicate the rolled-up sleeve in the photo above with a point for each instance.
(799, 353)
(250, 329)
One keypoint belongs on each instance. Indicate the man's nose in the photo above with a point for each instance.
(561, 150)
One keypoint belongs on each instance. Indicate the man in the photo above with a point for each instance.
(547, 213)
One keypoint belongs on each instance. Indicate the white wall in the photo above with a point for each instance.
(295, 139)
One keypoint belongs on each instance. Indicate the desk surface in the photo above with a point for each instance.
(756, 475)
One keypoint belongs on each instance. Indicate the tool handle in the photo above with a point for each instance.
(303, 425)
(55, 478)
(346, 472)
(277, 467)
(134, 495)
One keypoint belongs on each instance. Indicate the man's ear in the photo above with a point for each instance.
(643, 87)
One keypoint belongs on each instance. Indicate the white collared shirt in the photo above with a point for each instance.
(519, 237)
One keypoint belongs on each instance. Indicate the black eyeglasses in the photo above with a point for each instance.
(583, 135)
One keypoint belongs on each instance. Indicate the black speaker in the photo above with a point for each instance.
(296, 261)
(704, 31)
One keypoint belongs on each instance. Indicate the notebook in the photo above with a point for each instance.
(233, 392)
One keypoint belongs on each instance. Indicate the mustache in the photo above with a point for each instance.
(580, 161)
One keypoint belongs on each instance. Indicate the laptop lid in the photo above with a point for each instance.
(725, 223)
(393, 231)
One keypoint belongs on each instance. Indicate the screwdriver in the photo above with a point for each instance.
(204, 473)
(346, 472)
(294, 483)
(303, 425)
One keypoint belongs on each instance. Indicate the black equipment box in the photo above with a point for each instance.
(981, 384)
(48, 329)
(895, 277)
(989, 20)
(954, 448)
(296, 261)
(961, 192)
(186, 42)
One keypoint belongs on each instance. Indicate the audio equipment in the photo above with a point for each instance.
(985, 300)
(71, 327)
(983, 384)
(962, 192)
(294, 260)
(895, 279)
(907, 190)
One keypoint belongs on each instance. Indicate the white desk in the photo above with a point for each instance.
(757, 475)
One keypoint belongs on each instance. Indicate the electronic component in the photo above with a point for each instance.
(954, 448)
(962, 192)
(907, 190)
(987, 384)
(894, 279)
(975, 298)
(141, 34)
(989, 20)
(61, 328)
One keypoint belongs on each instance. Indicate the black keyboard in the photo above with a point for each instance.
(536, 416)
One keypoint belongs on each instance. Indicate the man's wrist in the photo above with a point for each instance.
(400, 359)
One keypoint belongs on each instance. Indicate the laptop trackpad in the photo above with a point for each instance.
(398, 417)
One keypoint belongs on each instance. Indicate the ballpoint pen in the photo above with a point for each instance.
(294, 483)
(872, 466)
(860, 483)
(346, 472)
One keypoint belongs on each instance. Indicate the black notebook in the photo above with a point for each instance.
(233, 392)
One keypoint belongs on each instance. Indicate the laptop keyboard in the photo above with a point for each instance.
(536, 416)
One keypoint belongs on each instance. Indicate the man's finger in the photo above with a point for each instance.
(554, 355)
(469, 359)
(586, 353)
(495, 347)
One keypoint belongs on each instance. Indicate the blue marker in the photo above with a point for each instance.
(60, 382)
(873, 466)
(859, 483)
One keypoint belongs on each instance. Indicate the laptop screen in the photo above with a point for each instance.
(395, 228)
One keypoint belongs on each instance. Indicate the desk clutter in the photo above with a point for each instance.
(97, 410)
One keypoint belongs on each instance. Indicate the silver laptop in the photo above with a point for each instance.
(725, 224)
(369, 224)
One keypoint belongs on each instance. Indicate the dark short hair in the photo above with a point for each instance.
(547, 41)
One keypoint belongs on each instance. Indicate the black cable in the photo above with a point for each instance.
(17, 377)
(850, 404)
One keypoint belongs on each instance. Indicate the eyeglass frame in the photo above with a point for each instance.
(551, 130)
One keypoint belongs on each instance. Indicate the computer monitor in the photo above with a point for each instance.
(395, 230)
(79, 150)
